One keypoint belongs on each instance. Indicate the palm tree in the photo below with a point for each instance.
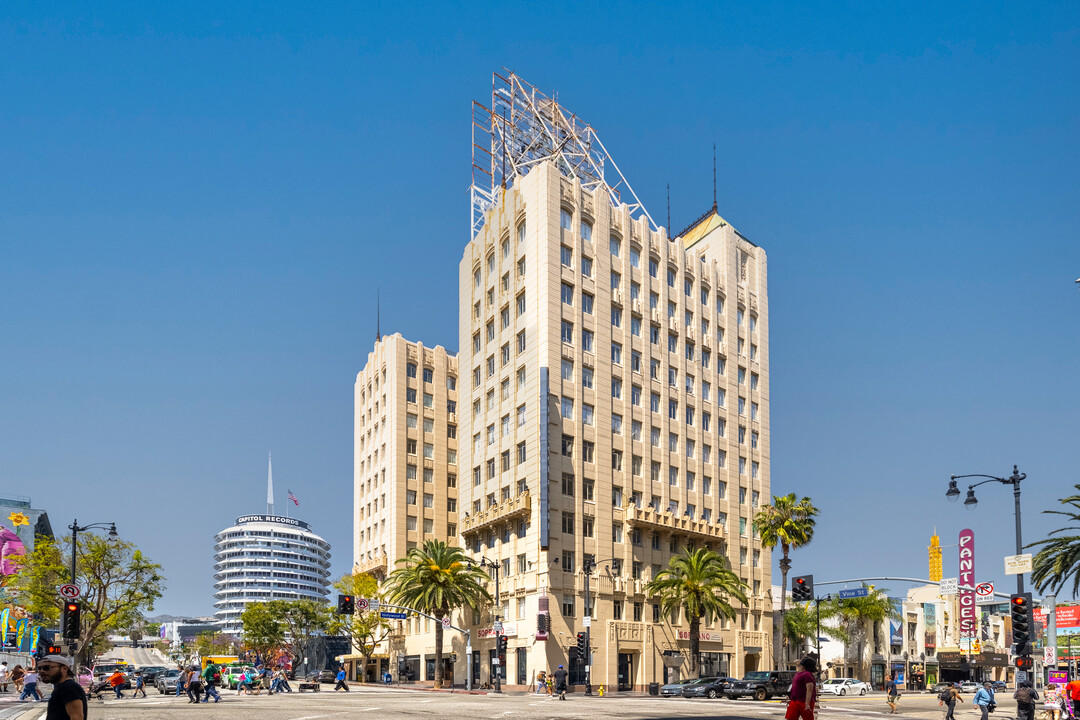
(436, 579)
(701, 582)
(801, 624)
(1059, 558)
(789, 523)
(857, 613)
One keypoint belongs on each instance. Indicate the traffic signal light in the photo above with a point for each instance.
(346, 605)
(802, 588)
(582, 648)
(1024, 662)
(1020, 605)
(71, 621)
(53, 650)
(503, 642)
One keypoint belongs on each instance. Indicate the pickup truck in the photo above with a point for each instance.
(761, 685)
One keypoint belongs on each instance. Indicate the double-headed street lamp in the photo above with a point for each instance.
(953, 494)
(484, 562)
(76, 528)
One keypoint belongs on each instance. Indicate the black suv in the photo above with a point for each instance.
(761, 685)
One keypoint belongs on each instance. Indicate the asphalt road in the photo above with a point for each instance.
(407, 704)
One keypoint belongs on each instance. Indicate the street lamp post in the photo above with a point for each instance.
(75, 529)
(953, 494)
(484, 562)
(588, 566)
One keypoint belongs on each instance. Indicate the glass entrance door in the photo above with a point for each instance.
(626, 671)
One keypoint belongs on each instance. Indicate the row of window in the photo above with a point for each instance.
(429, 376)
(429, 451)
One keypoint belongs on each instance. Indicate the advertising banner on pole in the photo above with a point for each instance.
(968, 621)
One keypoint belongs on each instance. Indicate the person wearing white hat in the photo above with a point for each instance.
(68, 699)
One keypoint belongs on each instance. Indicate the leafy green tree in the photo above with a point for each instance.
(366, 629)
(119, 584)
(1058, 560)
(789, 523)
(437, 579)
(212, 643)
(701, 583)
(801, 625)
(262, 630)
(303, 620)
(861, 618)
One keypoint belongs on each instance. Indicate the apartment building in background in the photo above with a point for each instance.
(405, 452)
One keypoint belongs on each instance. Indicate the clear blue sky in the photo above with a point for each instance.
(198, 202)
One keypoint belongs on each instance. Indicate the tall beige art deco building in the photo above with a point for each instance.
(614, 403)
(405, 452)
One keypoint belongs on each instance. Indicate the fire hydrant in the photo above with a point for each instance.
(601, 691)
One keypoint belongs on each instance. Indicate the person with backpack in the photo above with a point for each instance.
(948, 698)
(1025, 697)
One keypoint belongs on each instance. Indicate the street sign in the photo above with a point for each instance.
(69, 591)
(985, 589)
(1017, 564)
(587, 622)
(373, 603)
(1050, 656)
(497, 627)
(446, 622)
(362, 603)
(854, 593)
(393, 615)
(949, 586)
(1021, 676)
(495, 660)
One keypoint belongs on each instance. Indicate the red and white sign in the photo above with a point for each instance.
(985, 590)
(446, 622)
(69, 591)
(1050, 656)
(508, 629)
(362, 603)
(705, 635)
(1067, 616)
(968, 622)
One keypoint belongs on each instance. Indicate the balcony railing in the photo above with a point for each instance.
(664, 520)
(379, 562)
(518, 506)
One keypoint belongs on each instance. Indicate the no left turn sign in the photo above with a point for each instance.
(69, 591)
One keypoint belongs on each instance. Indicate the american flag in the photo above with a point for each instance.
(293, 498)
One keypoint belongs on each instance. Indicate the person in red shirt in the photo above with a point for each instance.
(803, 694)
(1072, 691)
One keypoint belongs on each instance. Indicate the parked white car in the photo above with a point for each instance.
(844, 686)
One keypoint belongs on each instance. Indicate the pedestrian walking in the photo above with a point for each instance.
(560, 682)
(1052, 702)
(341, 684)
(116, 682)
(802, 697)
(984, 700)
(140, 684)
(241, 684)
(17, 675)
(948, 698)
(550, 679)
(283, 680)
(30, 681)
(211, 676)
(1025, 697)
(5, 676)
(194, 685)
(181, 680)
(1072, 691)
(68, 699)
(541, 682)
(266, 679)
(891, 695)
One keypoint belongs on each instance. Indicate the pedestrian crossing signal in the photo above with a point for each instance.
(1024, 663)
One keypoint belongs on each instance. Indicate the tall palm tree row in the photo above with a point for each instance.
(701, 583)
(789, 523)
(1058, 560)
(436, 579)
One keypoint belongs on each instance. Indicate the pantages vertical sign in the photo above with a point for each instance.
(968, 620)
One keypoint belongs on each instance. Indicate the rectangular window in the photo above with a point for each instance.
(586, 265)
(586, 377)
(567, 257)
(616, 353)
(616, 388)
(587, 414)
(586, 232)
(616, 317)
(567, 408)
(587, 523)
(568, 484)
(568, 294)
(635, 398)
(567, 446)
(568, 370)
(616, 424)
(587, 450)
(587, 340)
(586, 303)
(654, 402)
(567, 332)
(615, 246)
(635, 326)
(617, 532)
(567, 525)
